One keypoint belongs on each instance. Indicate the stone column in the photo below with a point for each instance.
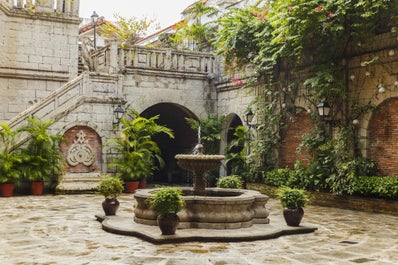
(113, 58)
(75, 7)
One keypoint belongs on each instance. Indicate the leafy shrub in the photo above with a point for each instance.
(230, 182)
(167, 201)
(292, 198)
(381, 187)
(278, 177)
(110, 187)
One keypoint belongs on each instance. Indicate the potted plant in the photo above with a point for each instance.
(167, 202)
(10, 160)
(293, 200)
(42, 159)
(138, 155)
(111, 188)
(230, 182)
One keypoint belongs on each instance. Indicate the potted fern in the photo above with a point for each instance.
(110, 188)
(42, 159)
(293, 200)
(10, 161)
(167, 202)
(138, 153)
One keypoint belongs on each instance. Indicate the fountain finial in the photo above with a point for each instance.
(199, 136)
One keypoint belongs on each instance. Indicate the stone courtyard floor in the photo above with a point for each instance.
(63, 229)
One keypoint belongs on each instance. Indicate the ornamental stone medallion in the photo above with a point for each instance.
(80, 152)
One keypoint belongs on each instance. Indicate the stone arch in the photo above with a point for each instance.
(82, 150)
(173, 116)
(232, 121)
(297, 126)
(383, 137)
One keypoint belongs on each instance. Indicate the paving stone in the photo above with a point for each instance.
(62, 229)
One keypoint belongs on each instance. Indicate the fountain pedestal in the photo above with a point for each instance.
(199, 164)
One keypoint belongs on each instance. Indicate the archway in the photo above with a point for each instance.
(231, 122)
(172, 116)
(383, 137)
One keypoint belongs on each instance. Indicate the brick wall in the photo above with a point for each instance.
(383, 137)
(292, 138)
(93, 140)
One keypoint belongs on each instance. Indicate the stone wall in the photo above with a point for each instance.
(38, 53)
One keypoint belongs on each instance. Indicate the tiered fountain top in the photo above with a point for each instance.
(199, 163)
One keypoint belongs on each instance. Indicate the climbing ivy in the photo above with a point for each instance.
(301, 46)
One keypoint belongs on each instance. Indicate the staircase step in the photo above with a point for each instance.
(72, 183)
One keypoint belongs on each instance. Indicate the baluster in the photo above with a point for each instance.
(20, 3)
(131, 57)
(153, 60)
(167, 60)
(121, 57)
(60, 6)
(67, 7)
(75, 7)
(181, 62)
(161, 58)
(174, 62)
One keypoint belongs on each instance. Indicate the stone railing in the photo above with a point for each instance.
(70, 7)
(84, 88)
(112, 59)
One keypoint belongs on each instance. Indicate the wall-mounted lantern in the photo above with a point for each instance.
(118, 114)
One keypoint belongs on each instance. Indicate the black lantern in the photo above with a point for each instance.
(94, 19)
(118, 114)
(323, 110)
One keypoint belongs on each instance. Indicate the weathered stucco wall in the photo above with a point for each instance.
(38, 53)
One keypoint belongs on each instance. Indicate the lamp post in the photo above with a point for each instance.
(323, 110)
(118, 114)
(94, 19)
(248, 119)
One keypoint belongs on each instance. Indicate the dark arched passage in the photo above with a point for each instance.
(172, 116)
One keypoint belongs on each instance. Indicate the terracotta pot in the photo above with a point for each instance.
(37, 187)
(142, 184)
(110, 206)
(131, 186)
(7, 189)
(293, 216)
(168, 224)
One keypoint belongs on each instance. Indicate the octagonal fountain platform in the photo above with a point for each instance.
(211, 214)
(242, 218)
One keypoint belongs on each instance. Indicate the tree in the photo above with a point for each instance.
(127, 30)
(192, 28)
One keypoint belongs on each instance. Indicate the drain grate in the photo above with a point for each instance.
(348, 242)
(362, 260)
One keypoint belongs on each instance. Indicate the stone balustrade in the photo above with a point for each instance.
(113, 59)
(70, 7)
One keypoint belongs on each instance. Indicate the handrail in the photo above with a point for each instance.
(113, 59)
(61, 100)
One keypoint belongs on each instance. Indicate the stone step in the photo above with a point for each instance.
(78, 183)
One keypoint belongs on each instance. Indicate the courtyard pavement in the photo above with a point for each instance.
(63, 229)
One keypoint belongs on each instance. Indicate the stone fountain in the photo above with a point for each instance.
(210, 208)
(209, 214)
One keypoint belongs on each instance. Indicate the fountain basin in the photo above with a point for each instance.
(218, 209)
(199, 163)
